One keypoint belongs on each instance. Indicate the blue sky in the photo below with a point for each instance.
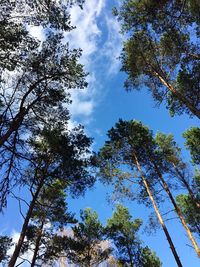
(100, 106)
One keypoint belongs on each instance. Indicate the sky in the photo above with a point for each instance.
(99, 107)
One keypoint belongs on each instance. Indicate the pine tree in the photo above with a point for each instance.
(123, 232)
(188, 208)
(35, 78)
(48, 218)
(86, 247)
(58, 156)
(161, 52)
(5, 244)
(141, 148)
(129, 145)
(192, 137)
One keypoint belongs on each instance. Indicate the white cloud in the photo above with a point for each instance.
(113, 45)
(82, 107)
(86, 36)
(87, 30)
(97, 34)
(37, 32)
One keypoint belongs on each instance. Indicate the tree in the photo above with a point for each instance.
(142, 148)
(49, 216)
(58, 155)
(15, 39)
(48, 14)
(192, 137)
(34, 84)
(149, 258)
(129, 146)
(5, 244)
(123, 232)
(188, 208)
(161, 52)
(169, 151)
(86, 247)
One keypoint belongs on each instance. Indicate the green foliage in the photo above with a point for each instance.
(87, 247)
(162, 51)
(5, 244)
(59, 161)
(123, 232)
(64, 155)
(190, 212)
(48, 14)
(168, 147)
(40, 93)
(149, 258)
(192, 137)
(15, 39)
(36, 92)
(48, 218)
(117, 163)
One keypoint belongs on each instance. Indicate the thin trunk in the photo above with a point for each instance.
(18, 119)
(19, 244)
(37, 244)
(187, 186)
(130, 257)
(158, 214)
(178, 210)
(180, 97)
(13, 127)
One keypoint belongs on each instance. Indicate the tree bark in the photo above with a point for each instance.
(19, 244)
(14, 126)
(37, 244)
(177, 210)
(173, 249)
(23, 111)
(180, 97)
(131, 258)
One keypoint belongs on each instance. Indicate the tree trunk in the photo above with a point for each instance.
(18, 119)
(19, 244)
(158, 214)
(180, 97)
(37, 244)
(14, 126)
(177, 210)
(131, 258)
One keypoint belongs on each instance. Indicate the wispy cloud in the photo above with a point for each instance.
(86, 36)
(87, 31)
(113, 45)
(97, 34)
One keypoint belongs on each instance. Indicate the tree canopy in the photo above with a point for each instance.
(192, 137)
(123, 232)
(162, 52)
(86, 246)
(46, 157)
(35, 79)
